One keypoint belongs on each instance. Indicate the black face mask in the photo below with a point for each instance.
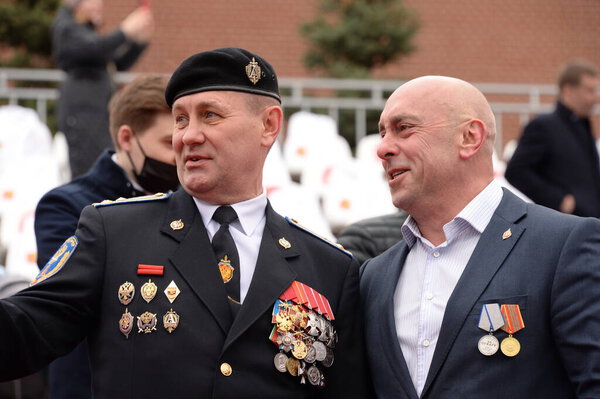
(155, 176)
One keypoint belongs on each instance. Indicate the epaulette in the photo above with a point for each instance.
(144, 198)
(335, 245)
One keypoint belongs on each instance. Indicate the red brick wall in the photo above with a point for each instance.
(493, 41)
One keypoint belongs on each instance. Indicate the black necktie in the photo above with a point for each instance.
(227, 255)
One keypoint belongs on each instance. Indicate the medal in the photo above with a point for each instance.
(490, 320)
(311, 354)
(172, 291)
(510, 346)
(146, 322)
(292, 366)
(314, 375)
(321, 350)
(149, 290)
(299, 350)
(280, 362)
(328, 361)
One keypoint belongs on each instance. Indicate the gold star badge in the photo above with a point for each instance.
(506, 234)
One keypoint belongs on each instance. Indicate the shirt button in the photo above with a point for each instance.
(226, 369)
(429, 297)
(426, 343)
(436, 254)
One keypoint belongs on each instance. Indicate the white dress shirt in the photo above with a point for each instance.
(247, 233)
(429, 276)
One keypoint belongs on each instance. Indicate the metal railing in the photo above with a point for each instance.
(330, 95)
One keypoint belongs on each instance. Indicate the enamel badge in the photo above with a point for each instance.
(172, 291)
(126, 323)
(171, 320)
(149, 290)
(126, 293)
(146, 323)
(226, 269)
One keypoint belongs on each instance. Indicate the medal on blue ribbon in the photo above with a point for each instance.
(490, 320)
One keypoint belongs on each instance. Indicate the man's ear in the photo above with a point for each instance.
(473, 136)
(125, 138)
(272, 122)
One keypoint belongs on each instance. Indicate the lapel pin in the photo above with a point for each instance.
(177, 224)
(506, 234)
(284, 243)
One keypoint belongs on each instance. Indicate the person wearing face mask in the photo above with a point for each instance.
(88, 56)
(143, 163)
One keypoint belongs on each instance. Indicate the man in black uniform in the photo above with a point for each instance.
(160, 303)
(141, 129)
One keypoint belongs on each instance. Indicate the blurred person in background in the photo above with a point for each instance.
(556, 161)
(88, 57)
(144, 162)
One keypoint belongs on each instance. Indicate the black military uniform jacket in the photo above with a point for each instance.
(50, 317)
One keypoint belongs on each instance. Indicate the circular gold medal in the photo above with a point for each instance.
(510, 346)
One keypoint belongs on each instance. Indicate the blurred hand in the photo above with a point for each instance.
(139, 25)
(568, 204)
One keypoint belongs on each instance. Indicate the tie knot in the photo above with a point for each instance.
(225, 215)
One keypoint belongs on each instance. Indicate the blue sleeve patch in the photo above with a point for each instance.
(58, 260)
(335, 245)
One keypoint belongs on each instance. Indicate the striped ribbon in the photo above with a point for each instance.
(304, 295)
(513, 319)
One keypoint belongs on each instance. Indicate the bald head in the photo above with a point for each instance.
(437, 144)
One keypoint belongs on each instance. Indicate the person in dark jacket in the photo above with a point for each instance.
(370, 237)
(208, 292)
(141, 129)
(87, 57)
(556, 162)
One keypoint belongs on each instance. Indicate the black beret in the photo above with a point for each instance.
(233, 69)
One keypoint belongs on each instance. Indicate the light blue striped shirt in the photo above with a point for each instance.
(430, 275)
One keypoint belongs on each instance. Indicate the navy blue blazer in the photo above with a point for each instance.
(557, 156)
(549, 266)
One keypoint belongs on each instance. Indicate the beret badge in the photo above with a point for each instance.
(253, 71)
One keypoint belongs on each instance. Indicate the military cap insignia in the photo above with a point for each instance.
(58, 260)
(253, 71)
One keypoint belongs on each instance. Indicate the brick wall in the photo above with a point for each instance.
(495, 41)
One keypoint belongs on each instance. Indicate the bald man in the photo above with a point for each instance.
(487, 296)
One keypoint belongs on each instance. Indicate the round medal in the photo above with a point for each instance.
(328, 361)
(321, 350)
(292, 366)
(311, 354)
(280, 362)
(488, 345)
(299, 350)
(314, 375)
(510, 346)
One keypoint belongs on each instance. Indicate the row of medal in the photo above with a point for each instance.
(305, 340)
(147, 321)
(494, 317)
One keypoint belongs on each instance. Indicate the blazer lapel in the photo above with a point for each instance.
(194, 258)
(387, 330)
(272, 275)
(489, 254)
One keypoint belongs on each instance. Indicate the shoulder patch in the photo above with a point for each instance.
(335, 245)
(58, 260)
(144, 198)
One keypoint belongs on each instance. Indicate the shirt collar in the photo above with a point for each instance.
(250, 212)
(476, 214)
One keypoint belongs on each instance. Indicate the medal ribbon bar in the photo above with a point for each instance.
(491, 318)
(513, 318)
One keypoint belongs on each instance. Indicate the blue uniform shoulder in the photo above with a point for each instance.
(145, 198)
(337, 246)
